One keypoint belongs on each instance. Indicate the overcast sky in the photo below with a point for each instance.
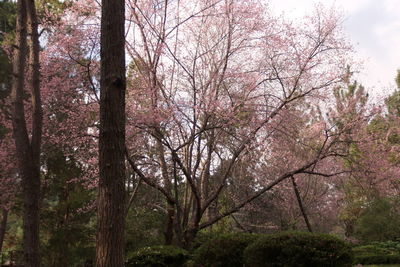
(373, 27)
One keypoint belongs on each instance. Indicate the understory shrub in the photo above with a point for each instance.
(223, 250)
(158, 256)
(387, 252)
(380, 221)
(298, 249)
(203, 237)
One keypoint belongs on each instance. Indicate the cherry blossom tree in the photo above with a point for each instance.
(217, 81)
(372, 155)
(228, 109)
(70, 74)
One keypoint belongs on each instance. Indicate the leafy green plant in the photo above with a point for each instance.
(223, 250)
(380, 221)
(158, 256)
(202, 237)
(298, 249)
(378, 253)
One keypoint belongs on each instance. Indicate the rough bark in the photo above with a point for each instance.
(34, 81)
(111, 194)
(28, 149)
(3, 224)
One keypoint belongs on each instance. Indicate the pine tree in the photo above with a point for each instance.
(111, 196)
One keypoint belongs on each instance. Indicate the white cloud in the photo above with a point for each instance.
(299, 7)
(291, 7)
(392, 6)
(388, 41)
(352, 6)
(372, 25)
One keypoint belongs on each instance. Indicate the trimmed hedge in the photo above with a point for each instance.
(377, 259)
(378, 253)
(203, 237)
(223, 250)
(158, 256)
(298, 249)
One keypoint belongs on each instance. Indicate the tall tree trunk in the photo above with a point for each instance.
(3, 224)
(300, 202)
(34, 81)
(28, 150)
(111, 195)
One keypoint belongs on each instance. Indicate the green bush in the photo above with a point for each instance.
(158, 256)
(380, 221)
(378, 253)
(377, 259)
(298, 249)
(203, 237)
(223, 250)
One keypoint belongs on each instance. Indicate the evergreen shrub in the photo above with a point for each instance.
(223, 250)
(387, 252)
(298, 249)
(158, 256)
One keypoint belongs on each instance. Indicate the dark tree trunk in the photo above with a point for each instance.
(169, 221)
(111, 195)
(34, 81)
(61, 251)
(3, 224)
(28, 149)
(301, 206)
(189, 237)
(169, 225)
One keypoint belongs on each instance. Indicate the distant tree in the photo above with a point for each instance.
(393, 101)
(372, 146)
(379, 221)
(7, 27)
(66, 211)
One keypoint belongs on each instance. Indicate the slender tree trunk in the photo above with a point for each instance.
(205, 179)
(300, 202)
(169, 222)
(61, 252)
(169, 226)
(111, 195)
(28, 149)
(3, 224)
(190, 235)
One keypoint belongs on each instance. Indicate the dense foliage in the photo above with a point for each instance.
(237, 120)
(380, 221)
(387, 252)
(158, 256)
(298, 249)
(223, 250)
